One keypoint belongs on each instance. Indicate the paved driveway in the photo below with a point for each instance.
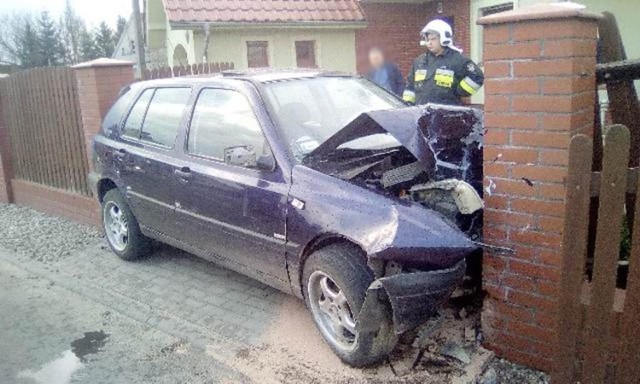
(88, 316)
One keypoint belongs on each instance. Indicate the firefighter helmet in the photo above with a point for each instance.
(442, 28)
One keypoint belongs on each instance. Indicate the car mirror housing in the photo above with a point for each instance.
(242, 156)
(266, 162)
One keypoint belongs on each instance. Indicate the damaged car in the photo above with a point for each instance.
(320, 184)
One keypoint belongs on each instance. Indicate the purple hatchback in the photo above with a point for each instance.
(320, 184)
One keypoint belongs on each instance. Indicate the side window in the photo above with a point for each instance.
(136, 116)
(163, 117)
(224, 127)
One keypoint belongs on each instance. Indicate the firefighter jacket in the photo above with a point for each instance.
(442, 79)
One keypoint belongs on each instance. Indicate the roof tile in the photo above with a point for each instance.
(263, 11)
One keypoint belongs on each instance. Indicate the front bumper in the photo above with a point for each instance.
(414, 296)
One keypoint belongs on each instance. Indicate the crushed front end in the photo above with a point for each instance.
(436, 169)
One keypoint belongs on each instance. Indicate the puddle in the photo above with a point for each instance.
(60, 370)
(90, 344)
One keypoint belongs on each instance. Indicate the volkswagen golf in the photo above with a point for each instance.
(320, 184)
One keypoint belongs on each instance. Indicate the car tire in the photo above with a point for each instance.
(121, 228)
(347, 278)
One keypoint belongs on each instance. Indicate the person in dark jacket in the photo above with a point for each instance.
(385, 73)
(442, 75)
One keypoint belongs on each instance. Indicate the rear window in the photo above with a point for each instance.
(156, 115)
(134, 121)
(119, 108)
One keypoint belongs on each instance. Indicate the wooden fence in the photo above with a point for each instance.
(195, 69)
(599, 330)
(45, 128)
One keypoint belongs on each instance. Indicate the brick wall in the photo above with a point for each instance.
(540, 90)
(395, 27)
(99, 83)
(57, 202)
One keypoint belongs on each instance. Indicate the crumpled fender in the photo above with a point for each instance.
(399, 230)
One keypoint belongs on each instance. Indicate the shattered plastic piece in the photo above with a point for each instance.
(455, 351)
(466, 198)
(490, 187)
(489, 377)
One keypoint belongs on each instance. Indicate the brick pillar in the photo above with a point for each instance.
(99, 83)
(540, 90)
(6, 169)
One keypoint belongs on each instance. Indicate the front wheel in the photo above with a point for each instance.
(336, 280)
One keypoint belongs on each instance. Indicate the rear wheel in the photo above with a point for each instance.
(335, 281)
(121, 227)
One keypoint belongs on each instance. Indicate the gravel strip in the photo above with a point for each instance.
(501, 371)
(42, 237)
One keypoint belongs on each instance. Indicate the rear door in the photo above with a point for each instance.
(147, 163)
(231, 207)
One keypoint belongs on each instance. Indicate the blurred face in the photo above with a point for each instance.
(433, 43)
(376, 59)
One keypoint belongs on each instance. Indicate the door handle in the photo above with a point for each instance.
(120, 153)
(183, 173)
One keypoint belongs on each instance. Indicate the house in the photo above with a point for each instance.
(126, 48)
(255, 33)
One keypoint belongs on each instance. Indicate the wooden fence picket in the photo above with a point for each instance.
(610, 213)
(628, 368)
(576, 228)
(188, 70)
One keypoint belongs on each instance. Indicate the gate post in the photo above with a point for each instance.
(539, 64)
(99, 82)
(6, 167)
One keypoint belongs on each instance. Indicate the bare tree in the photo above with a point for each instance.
(16, 37)
(71, 27)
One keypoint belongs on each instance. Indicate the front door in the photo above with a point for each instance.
(231, 207)
(147, 164)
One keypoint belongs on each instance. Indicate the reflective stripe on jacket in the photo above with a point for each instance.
(443, 79)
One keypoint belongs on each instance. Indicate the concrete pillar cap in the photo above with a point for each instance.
(545, 11)
(104, 62)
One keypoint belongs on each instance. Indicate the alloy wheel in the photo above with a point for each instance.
(115, 226)
(331, 311)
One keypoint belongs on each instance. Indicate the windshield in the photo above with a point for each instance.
(309, 111)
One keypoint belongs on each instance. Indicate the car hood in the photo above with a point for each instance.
(442, 138)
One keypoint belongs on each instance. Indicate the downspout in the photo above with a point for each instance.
(207, 34)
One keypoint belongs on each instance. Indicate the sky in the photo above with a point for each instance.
(92, 11)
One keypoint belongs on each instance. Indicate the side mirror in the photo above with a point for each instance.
(266, 162)
(241, 156)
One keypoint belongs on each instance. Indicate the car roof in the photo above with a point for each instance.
(260, 75)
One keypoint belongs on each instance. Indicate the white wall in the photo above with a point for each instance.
(335, 48)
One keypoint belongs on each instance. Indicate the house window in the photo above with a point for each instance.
(257, 54)
(306, 54)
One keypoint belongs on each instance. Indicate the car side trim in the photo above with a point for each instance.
(276, 239)
(147, 198)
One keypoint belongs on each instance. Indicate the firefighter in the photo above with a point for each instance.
(441, 75)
